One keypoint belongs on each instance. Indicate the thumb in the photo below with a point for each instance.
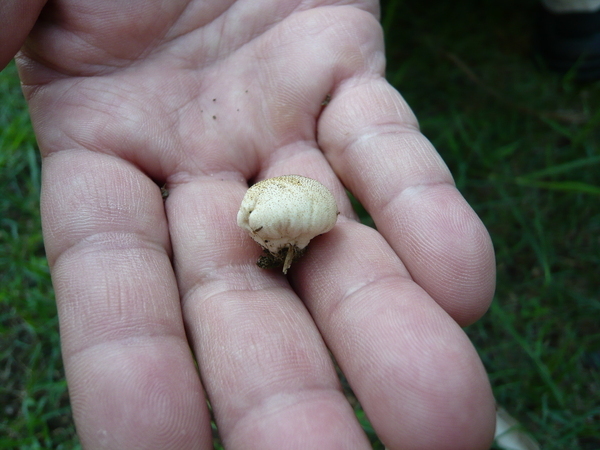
(16, 21)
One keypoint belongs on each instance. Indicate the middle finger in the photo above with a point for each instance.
(266, 370)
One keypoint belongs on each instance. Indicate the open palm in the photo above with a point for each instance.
(205, 96)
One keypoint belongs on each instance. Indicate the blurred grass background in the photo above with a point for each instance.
(524, 147)
(35, 412)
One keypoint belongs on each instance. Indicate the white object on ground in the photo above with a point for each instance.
(510, 435)
(572, 6)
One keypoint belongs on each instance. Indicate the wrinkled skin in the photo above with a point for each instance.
(205, 96)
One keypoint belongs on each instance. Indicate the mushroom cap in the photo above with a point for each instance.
(287, 210)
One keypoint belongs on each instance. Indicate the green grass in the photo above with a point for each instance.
(524, 147)
(33, 395)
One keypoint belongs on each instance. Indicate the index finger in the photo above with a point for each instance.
(132, 379)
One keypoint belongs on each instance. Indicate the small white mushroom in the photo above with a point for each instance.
(283, 214)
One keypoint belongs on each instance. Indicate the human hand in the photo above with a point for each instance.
(204, 96)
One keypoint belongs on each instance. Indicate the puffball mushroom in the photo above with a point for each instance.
(283, 214)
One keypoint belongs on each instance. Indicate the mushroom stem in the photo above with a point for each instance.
(289, 257)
